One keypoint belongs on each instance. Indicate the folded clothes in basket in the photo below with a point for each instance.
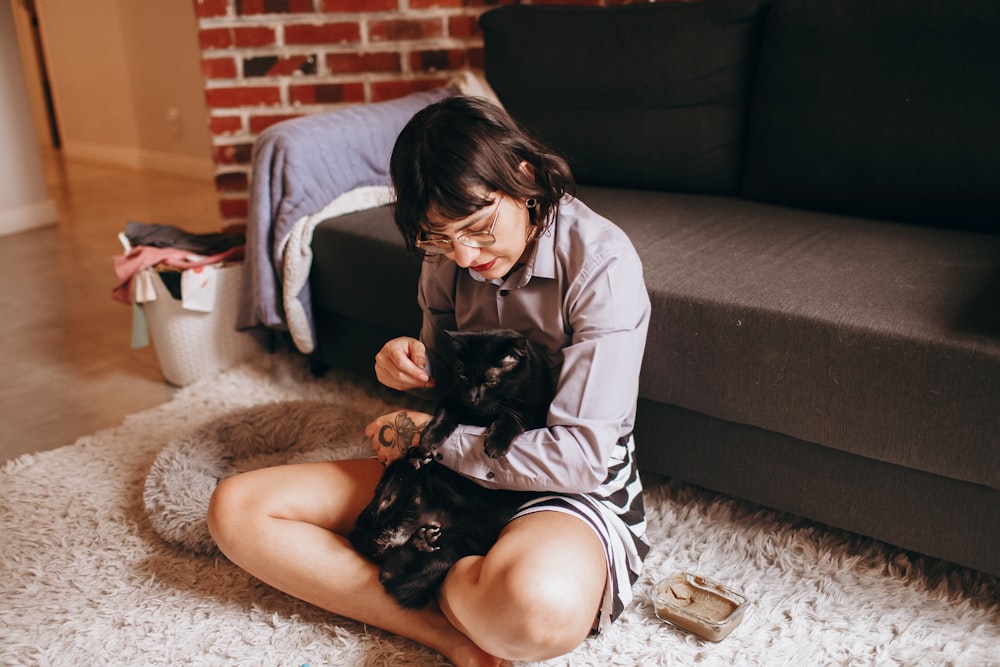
(167, 246)
(159, 235)
(144, 257)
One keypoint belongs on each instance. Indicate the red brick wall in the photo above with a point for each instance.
(268, 60)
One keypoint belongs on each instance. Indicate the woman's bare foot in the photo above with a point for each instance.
(470, 655)
(459, 649)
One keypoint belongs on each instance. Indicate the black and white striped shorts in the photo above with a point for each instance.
(616, 513)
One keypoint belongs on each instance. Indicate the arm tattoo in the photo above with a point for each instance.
(400, 434)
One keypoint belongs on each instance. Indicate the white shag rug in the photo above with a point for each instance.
(85, 580)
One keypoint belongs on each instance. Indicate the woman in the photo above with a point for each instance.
(506, 246)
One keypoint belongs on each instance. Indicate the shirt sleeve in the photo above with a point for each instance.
(606, 308)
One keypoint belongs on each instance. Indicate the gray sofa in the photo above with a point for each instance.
(814, 189)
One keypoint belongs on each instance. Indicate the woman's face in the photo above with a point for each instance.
(511, 227)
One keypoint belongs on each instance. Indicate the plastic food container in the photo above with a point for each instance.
(698, 605)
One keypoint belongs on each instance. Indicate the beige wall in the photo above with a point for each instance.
(127, 84)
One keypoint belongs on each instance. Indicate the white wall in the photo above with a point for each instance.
(24, 199)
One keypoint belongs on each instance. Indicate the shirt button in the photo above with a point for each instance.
(504, 292)
(490, 475)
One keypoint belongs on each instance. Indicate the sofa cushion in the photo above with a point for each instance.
(886, 108)
(630, 95)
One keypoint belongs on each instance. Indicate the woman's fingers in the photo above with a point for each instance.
(400, 364)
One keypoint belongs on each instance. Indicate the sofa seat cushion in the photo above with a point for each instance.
(885, 108)
(874, 338)
(631, 95)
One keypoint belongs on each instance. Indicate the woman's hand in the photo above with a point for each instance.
(401, 364)
(393, 434)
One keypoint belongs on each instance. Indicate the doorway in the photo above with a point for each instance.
(26, 23)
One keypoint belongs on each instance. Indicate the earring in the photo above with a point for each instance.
(531, 202)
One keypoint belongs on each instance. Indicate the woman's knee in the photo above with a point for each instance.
(554, 613)
(538, 591)
(519, 611)
(231, 511)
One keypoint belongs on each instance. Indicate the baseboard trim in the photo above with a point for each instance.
(141, 160)
(202, 169)
(32, 216)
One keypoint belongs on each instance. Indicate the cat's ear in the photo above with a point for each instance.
(519, 348)
(456, 338)
(516, 354)
(510, 361)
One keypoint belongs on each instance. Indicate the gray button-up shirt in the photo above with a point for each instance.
(582, 298)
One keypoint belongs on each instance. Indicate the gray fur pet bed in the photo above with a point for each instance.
(187, 470)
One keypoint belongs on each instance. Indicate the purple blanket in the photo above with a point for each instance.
(299, 167)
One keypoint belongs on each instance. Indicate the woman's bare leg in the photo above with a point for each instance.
(536, 594)
(286, 526)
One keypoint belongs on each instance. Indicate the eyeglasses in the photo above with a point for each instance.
(470, 240)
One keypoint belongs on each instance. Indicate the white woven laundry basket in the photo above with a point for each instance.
(191, 345)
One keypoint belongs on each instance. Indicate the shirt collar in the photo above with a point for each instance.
(543, 262)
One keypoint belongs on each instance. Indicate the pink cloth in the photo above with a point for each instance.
(143, 257)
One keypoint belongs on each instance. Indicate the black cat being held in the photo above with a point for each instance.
(423, 519)
(424, 516)
(501, 381)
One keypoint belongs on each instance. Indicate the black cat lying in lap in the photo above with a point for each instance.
(424, 517)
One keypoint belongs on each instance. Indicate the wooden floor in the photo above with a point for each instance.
(67, 366)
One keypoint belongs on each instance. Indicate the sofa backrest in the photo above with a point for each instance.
(884, 108)
(649, 96)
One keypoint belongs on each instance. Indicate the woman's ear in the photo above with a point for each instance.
(527, 169)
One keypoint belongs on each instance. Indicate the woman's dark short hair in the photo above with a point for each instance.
(453, 151)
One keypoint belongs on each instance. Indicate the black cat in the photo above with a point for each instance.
(500, 381)
(424, 516)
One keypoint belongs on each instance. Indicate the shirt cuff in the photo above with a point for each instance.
(463, 452)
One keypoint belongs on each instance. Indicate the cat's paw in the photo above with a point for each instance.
(435, 434)
(426, 537)
(429, 441)
(493, 452)
(496, 448)
(500, 436)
